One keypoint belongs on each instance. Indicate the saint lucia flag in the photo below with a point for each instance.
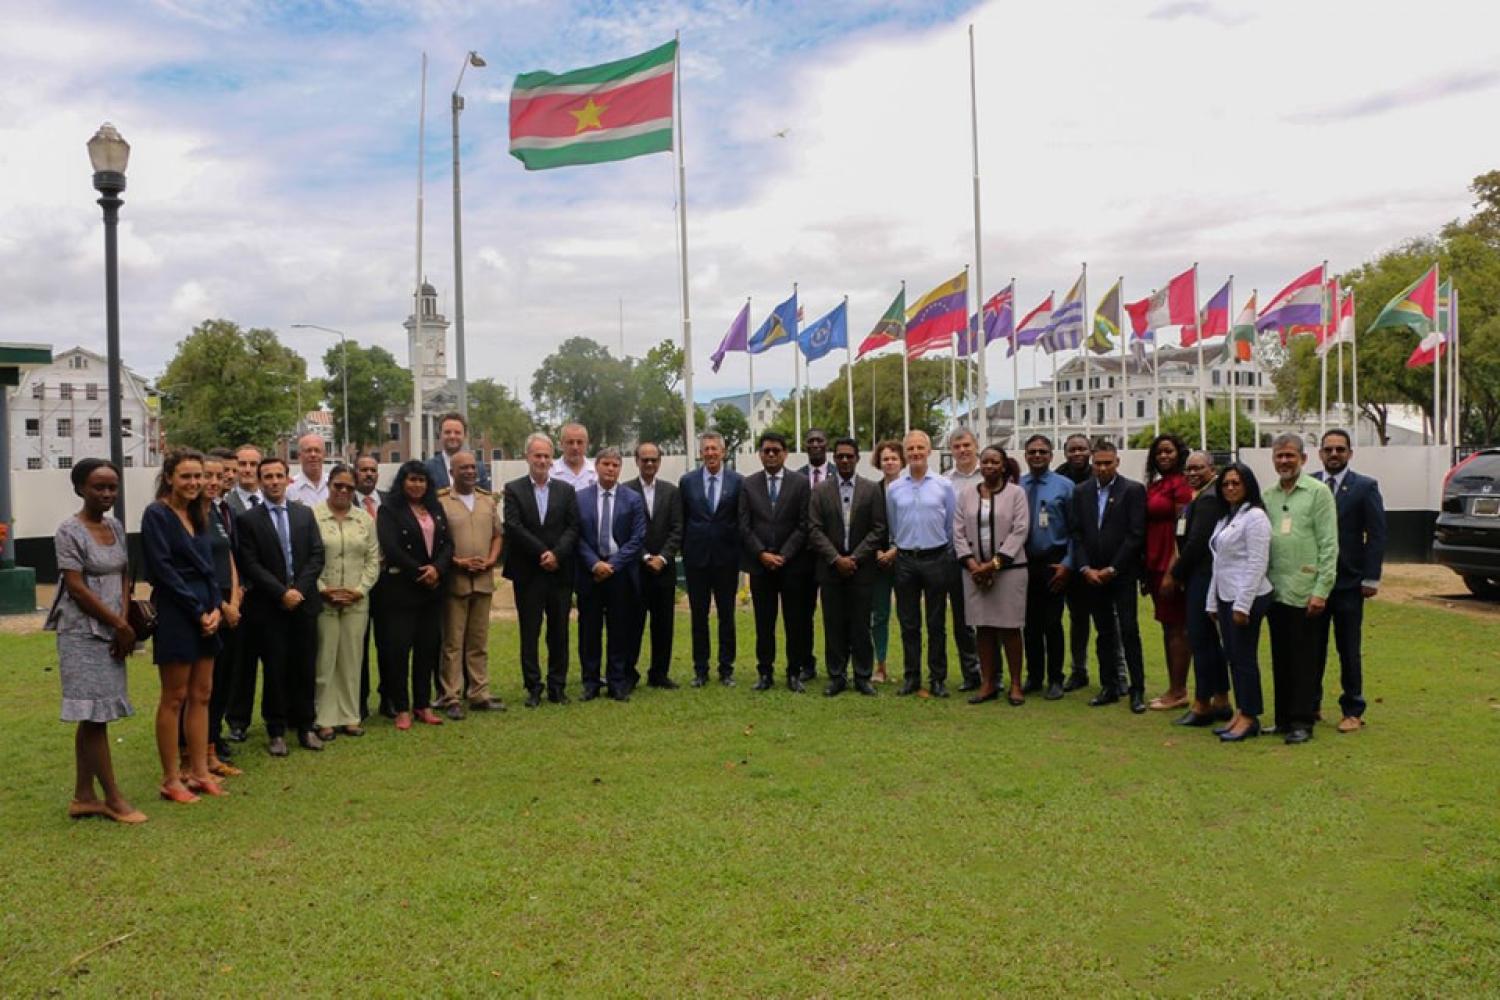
(779, 328)
(827, 333)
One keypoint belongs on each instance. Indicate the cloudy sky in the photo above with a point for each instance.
(273, 173)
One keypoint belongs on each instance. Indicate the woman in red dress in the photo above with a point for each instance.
(1167, 496)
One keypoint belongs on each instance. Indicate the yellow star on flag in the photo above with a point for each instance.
(588, 116)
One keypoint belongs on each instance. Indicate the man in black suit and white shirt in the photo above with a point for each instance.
(845, 528)
(541, 533)
(818, 471)
(773, 532)
(711, 553)
(658, 564)
(1109, 536)
(281, 555)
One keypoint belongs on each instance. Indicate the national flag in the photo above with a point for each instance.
(1065, 330)
(827, 333)
(889, 329)
(1327, 321)
(1432, 345)
(1415, 307)
(937, 316)
(1331, 333)
(1213, 319)
(1170, 306)
(612, 111)
(1242, 334)
(1106, 322)
(736, 338)
(999, 321)
(779, 328)
(1033, 326)
(1300, 303)
(1138, 341)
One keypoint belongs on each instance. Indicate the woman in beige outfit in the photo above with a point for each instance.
(351, 565)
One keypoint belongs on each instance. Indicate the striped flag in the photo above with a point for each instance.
(1242, 334)
(1300, 303)
(1065, 330)
(999, 321)
(1033, 326)
(937, 316)
(1213, 320)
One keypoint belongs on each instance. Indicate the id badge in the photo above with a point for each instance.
(1041, 518)
(1286, 524)
(1182, 526)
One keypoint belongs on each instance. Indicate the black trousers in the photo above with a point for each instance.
(410, 640)
(658, 604)
(225, 665)
(924, 578)
(286, 643)
(963, 635)
(1210, 668)
(846, 627)
(547, 597)
(1294, 665)
(1079, 616)
(239, 709)
(1117, 628)
(719, 584)
(1242, 647)
(1346, 613)
(784, 589)
(810, 667)
(615, 604)
(1045, 649)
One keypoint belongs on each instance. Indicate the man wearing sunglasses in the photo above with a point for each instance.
(658, 563)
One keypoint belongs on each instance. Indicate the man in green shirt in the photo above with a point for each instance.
(1303, 564)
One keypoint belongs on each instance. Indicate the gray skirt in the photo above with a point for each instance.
(93, 682)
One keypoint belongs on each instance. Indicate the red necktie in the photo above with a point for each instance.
(370, 505)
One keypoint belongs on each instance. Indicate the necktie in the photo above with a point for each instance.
(223, 509)
(817, 475)
(254, 500)
(606, 523)
(283, 531)
(1333, 484)
(775, 489)
(846, 493)
(370, 506)
(713, 493)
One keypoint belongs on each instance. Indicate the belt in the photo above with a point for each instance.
(932, 553)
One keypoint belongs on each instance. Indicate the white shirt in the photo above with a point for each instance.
(648, 490)
(467, 499)
(1241, 549)
(306, 492)
(245, 496)
(964, 478)
(579, 480)
(817, 475)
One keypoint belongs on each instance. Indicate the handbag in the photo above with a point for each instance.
(140, 615)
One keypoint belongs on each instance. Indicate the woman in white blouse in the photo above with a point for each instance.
(1240, 593)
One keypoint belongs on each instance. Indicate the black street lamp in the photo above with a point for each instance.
(110, 154)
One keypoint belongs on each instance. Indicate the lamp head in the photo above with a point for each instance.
(475, 59)
(110, 154)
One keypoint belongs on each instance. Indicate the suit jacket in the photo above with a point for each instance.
(829, 471)
(1362, 531)
(1193, 555)
(1120, 538)
(782, 529)
(473, 532)
(437, 471)
(627, 528)
(825, 527)
(235, 503)
(710, 538)
(1012, 525)
(664, 524)
(404, 550)
(527, 536)
(264, 565)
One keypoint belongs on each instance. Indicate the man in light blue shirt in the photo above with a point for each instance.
(1049, 560)
(919, 510)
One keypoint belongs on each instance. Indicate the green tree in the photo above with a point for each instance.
(497, 415)
(227, 386)
(582, 381)
(730, 422)
(1184, 423)
(376, 383)
(659, 404)
(878, 397)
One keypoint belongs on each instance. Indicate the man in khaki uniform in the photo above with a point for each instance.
(474, 520)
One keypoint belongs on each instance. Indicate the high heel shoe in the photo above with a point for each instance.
(202, 787)
(1249, 732)
(981, 698)
(1016, 697)
(178, 794)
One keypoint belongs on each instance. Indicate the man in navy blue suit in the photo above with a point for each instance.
(711, 553)
(1362, 537)
(611, 531)
(452, 429)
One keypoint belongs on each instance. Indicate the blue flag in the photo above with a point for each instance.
(827, 333)
(779, 328)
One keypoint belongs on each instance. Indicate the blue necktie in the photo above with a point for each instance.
(606, 523)
(713, 493)
(284, 533)
(775, 489)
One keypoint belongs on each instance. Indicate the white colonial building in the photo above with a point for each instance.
(60, 414)
(764, 405)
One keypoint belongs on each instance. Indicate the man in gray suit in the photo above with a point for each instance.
(246, 493)
(845, 528)
(773, 538)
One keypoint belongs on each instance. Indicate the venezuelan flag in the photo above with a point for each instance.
(937, 316)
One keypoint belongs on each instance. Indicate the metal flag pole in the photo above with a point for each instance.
(979, 345)
(1255, 400)
(953, 378)
(874, 431)
(471, 59)
(1354, 369)
(688, 417)
(749, 357)
(905, 367)
(418, 424)
(1156, 377)
(1056, 410)
(1124, 336)
(1455, 385)
(1231, 354)
(1015, 364)
(796, 375)
(1088, 403)
(1323, 361)
(1437, 370)
(1202, 378)
(849, 367)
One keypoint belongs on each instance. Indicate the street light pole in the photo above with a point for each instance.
(476, 60)
(344, 371)
(110, 155)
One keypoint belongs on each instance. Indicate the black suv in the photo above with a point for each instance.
(1467, 539)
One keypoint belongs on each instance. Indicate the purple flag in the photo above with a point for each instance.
(736, 339)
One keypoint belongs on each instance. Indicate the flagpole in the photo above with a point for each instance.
(953, 378)
(1354, 368)
(1088, 415)
(1323, 362)
(849, 368)
(688, 417)
(874, 432)
(1202, 378)
(1155, 375)
(796, 375)
(905, 367)
(1056, 411)
(1231, 354)
(980, 344)
(1255, 372)
(1437, 368)
(419, 430)
(750, 358)
(1015, 362)
(1455, 386)
(1124, 335)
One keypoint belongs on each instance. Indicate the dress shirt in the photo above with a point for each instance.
(920, 511)
(846, 498)
(250, 498)
(580, 480)
(713, 487)
(540, 492)
(648, 490)
(1304, 541)
(773, 486)
(283, 525)
(1333, 481)
(1241, 547)
(817, 475)
(1051, 493)
(307, 492)
(962, 479)
(1104, 489)
(368, 502)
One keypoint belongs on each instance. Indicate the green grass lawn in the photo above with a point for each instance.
(721, 842)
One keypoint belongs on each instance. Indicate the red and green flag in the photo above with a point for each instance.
(1414, 308)
(890, 330)
(612, 111)
(1242, 333)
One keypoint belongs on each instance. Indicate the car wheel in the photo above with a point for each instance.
(1485, 587)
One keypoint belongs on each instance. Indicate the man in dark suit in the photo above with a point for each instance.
(773, 531)
(818, 471)
(658, 601)
(369, 498)
(541, 534)
(1109, 535)
(611, 531)
(845, 528)
(711, 553)
(452, 430)
(281, 555)
(246, 491)
(1362, 536)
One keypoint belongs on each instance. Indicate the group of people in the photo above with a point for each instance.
(261, 576)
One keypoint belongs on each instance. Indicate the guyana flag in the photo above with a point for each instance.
(1414, 308)
(612, 111)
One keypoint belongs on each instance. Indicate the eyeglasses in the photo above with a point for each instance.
(342, 487)
(1038, 451)
(647, 461)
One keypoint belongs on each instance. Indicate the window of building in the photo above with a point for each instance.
(129, 461)
(497, 455)
(64, 461)
(65, 430)
(65, 390)
(1099, 413)
(393, 432)
(33, 463)
(1140, 407)
(96, 427)
(91, 391)
(1026, 415)
(125, 426)
(1068, 411)
(33, 427)
(78, 362)
(395, 457)
(1216, 376)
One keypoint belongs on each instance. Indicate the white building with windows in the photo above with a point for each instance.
(60, 414)
(765, 405)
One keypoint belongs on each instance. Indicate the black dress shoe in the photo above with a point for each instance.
(1137, 702)
(727, 680)
(222, 750)
(980, 699)
(589, 694)
(1054, 692)
(1032, 687)
(1301, 734)
(487, 705)
(1106, 696)
(909, 687)
(937, 689)
(1249, 733)
(558, 697)
(808, 674)
(699, 680)
(277, 747)
(969, 684)
(309, 741)
(236, 734)
(1193, 720)
(619, 695)
(387, 711)
(533, 699)
(666, 684)
(835, 688)
(1076, 681)
(794, 683)
(763, 683)
(454, 712)
(865, 688)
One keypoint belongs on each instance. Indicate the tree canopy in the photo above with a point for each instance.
(376, 381)
(228, 386)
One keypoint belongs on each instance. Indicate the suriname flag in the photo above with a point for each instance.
(608, 112)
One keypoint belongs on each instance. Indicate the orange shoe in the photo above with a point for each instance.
(177, 793)
(203, 787)
(403, 721)
(428, 716)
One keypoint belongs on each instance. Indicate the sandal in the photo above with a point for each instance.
(177, 793)
(78, 810)
(203, 787)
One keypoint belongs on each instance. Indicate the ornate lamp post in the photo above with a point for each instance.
(110, 154)
(476, 60)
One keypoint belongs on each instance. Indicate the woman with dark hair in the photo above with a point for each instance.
(990, 524)
(179, 560)
(418, 550)
(890, 460)
(90, 617)
(1240, 593)
(351, 565)
(1168, 494)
